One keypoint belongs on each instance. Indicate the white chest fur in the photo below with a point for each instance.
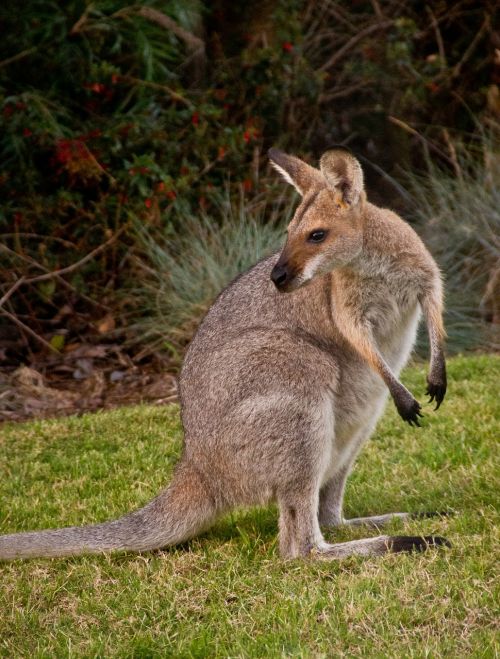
(351, 431)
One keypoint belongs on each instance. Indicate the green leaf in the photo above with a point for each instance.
(57, 342)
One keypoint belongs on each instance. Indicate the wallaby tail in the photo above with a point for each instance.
(181, 511)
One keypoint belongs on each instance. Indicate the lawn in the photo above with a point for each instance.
(228, 593)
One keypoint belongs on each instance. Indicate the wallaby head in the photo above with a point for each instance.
(326, 230)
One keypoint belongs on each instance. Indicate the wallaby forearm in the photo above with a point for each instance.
(359, 335)
(432, 308)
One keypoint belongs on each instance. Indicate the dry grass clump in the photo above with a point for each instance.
(184, 270)
(459, 218)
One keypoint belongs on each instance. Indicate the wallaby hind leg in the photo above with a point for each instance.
(331, 502)
(332, 493)
(300, 535)
(299, 531)
(331, 508)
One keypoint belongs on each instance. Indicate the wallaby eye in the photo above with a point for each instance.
(316, 236)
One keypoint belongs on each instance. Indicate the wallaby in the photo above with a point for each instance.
(287, 376)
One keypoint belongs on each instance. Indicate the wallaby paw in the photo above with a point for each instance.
(416, 542)
(409, 409)
(436, 391)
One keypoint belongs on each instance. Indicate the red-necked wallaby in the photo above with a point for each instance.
(287, 376)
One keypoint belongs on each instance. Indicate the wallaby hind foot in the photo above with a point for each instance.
(379, 521)
(300, 535)
(378, 546)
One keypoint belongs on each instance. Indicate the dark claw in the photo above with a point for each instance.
(436, 392)
(410, 411)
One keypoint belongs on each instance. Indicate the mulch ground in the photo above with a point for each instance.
(88, 377)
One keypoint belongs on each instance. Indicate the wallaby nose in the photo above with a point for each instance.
(280, 275)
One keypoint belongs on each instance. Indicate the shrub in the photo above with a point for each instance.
(459, 219)
(185, 269)
(115, 113)
(457, 215)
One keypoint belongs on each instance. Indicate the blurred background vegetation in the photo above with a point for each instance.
(134, 138)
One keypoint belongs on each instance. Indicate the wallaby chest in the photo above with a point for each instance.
(391, 310)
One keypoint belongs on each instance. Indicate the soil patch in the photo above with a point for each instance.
(85, 378)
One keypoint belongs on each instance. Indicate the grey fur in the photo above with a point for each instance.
(279, 390)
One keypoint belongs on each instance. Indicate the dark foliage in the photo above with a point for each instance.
(114, 113)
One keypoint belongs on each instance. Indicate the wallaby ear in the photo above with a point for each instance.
(295, 171)
(343, 174)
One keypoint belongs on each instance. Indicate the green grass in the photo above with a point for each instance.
(228, 593)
